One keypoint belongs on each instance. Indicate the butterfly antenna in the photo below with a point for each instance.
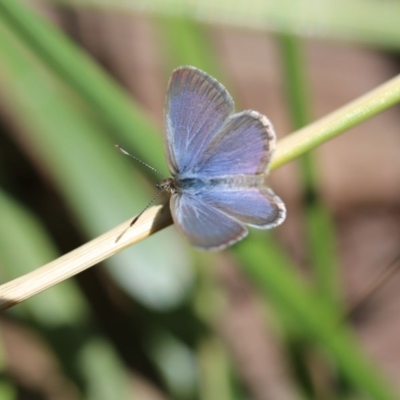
(161, 191)
(123, 151)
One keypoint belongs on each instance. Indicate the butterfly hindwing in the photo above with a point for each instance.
(206, 227)
(257, 207)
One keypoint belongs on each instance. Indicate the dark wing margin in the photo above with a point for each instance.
(196, 107)
(206, 227)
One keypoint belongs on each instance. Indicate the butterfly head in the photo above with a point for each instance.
(167, 185)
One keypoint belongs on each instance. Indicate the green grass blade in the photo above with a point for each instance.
(296, 86)
(81, 73)
(106, 377)
(370, 22)
(187, 43)
(319, 226)
(339, 121)
(316, 319)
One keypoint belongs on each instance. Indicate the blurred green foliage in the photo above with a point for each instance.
(147, 314)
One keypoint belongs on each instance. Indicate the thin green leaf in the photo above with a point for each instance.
(316, 319)
(319, 227)
(339, 121)
(370, 22)
(80, 72)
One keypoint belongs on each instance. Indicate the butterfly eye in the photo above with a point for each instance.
(167, 185)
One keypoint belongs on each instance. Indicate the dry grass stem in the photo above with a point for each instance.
(91, 253)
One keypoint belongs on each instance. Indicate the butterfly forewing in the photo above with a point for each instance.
(196, 108)
(243, 146)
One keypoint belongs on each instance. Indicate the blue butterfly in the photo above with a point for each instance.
(218, 161)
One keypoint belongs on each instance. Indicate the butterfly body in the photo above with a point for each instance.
(218, 161)
(196, 185)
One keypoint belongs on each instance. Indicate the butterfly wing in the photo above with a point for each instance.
(257, 207)
(205, 140)
(205, 226)
(243, 146)
(238, 156)
(196, 108)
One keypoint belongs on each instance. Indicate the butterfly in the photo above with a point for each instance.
(218, 161)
